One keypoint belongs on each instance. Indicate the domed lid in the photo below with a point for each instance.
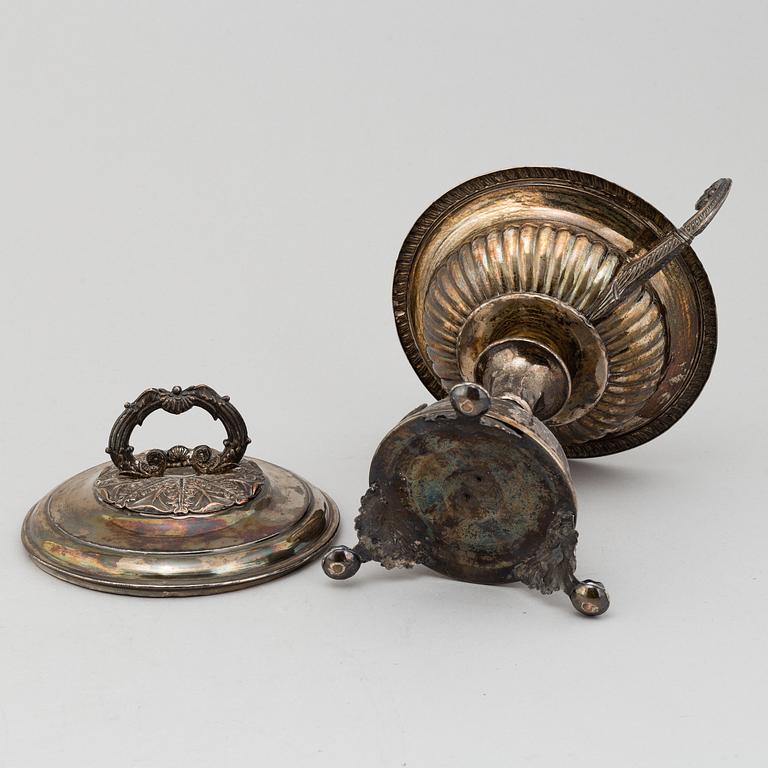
(182, 521)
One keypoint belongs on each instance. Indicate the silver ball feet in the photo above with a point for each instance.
(470, 400)
(589, 598)
(341, 563)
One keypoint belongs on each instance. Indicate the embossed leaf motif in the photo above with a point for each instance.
(396, 540)
(179, 494)
(551, 567)
(203, 495)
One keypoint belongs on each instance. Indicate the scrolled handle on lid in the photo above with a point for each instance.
(203, 459)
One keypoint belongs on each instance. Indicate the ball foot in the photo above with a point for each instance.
(590, 598)
(341, 563)
(470, 400)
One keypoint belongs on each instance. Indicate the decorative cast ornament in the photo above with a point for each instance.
(180, 494)
(140, 484)
(181, 521)
(551, 313)
(177, 401)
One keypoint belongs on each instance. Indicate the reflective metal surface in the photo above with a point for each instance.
(569, 236)
(179, 522)
(545, 308)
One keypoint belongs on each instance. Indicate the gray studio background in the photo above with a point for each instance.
(216, 192)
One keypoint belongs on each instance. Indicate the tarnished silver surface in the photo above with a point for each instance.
(179, 522)
(181, 492)
(588, 244)
(637, 271)
(552, 308)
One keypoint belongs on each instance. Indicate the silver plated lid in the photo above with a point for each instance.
(182, 521)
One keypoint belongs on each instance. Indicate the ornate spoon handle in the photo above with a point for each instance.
(636, 271)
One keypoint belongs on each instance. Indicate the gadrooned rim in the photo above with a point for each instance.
(707, 310)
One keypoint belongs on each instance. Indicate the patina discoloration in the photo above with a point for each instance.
(469, 498)
(180, 491)
(583, 241)
(529, 296)
(179, 531)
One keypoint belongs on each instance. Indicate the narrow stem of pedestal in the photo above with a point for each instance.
(527, 372)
